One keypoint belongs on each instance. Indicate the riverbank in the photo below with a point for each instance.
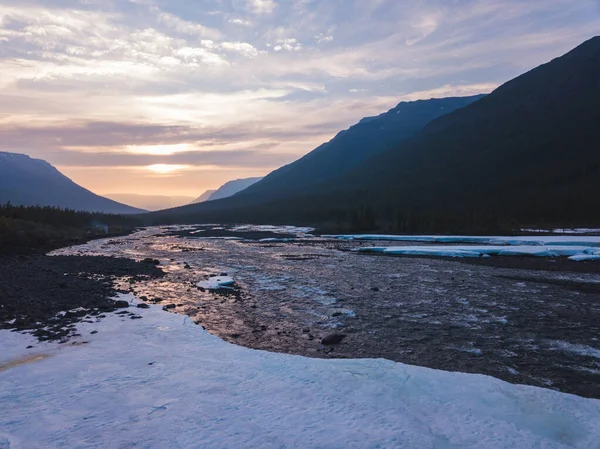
(47, 295)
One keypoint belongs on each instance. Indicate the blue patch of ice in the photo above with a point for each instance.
(484, 251)
(551, 240)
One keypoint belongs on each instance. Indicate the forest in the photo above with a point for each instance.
(30, 229)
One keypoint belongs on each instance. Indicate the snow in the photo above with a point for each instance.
(486, 250)
(162, 382)
(276, 240)
(565, 231)
(216, 282)
(486, 240)
(585, 257)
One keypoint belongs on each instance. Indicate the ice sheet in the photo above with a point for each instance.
(163, 382)
(491, 240)
(481, 251)
(216, 282)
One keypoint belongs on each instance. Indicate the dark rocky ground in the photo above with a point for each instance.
(48, 295)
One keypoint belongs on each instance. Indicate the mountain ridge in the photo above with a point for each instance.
(523, 154)
(28, 181)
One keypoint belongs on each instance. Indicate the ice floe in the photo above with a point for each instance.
(565, 231)
(216, 282)
(551, 240)
(586, 252)
(162, 382)
(585, 257)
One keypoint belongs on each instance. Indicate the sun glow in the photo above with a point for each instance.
(159, 150)
(164, 169)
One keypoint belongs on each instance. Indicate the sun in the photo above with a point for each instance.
(164, 169)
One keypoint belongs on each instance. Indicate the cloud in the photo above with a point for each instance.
(183, 26)
(289, 44)
(254, 82)
(261, 6)
(240, 22)
(243, 48)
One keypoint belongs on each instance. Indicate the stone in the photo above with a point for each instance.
(333, 339)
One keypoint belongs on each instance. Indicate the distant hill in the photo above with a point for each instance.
(204, 197)
(352, 147)
(30, 182)
(150, 202)
(232, 187)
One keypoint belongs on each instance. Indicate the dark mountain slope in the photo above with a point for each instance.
(204, 197)
(527, 153)
(30, 182)
(346, 151)
(351, 147)
(232, 187)
(530, 145)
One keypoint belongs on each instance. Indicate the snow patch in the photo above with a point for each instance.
(486, 251)
(584, 350)
(164, 382)
(490, 240)
(216, 282)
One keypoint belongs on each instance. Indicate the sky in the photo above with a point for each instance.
(174, 97)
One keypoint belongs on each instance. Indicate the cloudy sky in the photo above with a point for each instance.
(178, 96)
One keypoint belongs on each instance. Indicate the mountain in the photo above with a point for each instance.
(204, 197)
(27, 181)
(232, 187)
(346, 151)
(150, 202)
(525, 154)
(352, 147)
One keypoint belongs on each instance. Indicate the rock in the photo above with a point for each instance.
(143, 306)
(223, 274)
(169, 306)
(94, 332)
(121, 304)
(136, 317)
(151, 261)
(333, 339)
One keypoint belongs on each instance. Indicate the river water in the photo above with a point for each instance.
(293, 289)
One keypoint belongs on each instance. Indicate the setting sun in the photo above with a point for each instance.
(164, 169)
